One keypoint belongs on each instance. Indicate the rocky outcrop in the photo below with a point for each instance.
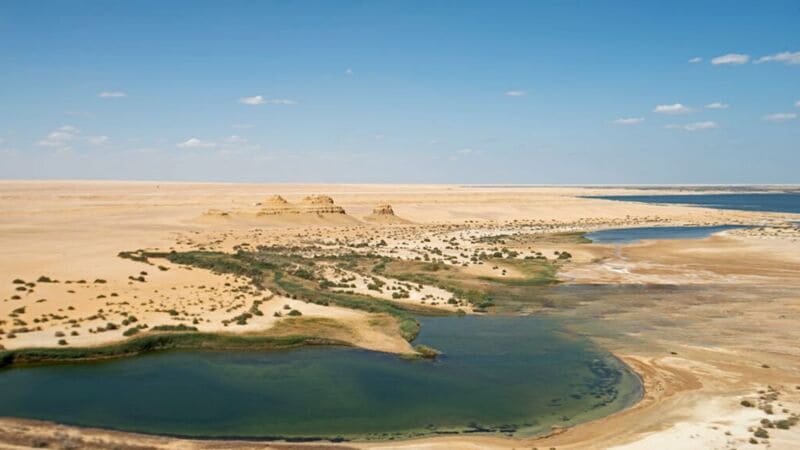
(383, 209)
(275, 200)
(317, 200)
(312, 204)
(384, 214)
(275, 210)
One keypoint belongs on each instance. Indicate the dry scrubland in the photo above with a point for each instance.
(709, 324)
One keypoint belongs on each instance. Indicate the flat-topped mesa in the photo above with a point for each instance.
(276, 205)
(384, 213)
(275, 200)
(317, 200)
(384, 209)
(320, 204)
(312, 204)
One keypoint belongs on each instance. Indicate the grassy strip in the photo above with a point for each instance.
(293, 276)
(482, 292)
(157, 342)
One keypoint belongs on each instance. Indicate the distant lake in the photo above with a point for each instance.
(498, 373)
(786, 202)
(628, 235)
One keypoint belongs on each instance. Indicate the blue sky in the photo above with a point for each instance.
(432, 91)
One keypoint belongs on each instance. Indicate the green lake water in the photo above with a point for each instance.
(505, 374)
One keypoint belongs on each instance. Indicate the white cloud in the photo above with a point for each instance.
(784, 57)
(628, 121)
(675, 108)
(797, 103)
(700, 126)
(235, 139)
(196, 143)
(97, 140)
(348, 72)
(60, 138)
(695, 126)
(64, 137)
(469, 151)
(255, 100)
(465, 152)
(696, 60)
(380, 136)
(515, 93)
(282, 101)
(717, 105)
(260, 100)
(112, 94)
(780, 117)
(731, 58)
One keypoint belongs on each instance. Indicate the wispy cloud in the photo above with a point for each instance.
(235, 140)
(696, 60)
(348, 72)
(196, 143)
(65, 136)
(469, 151)
(97, 140)
(695, 126)
(112, 94)
(717, 105)
(466, 152)
(254, 100)
(61, 138)
(282, 101)
(515, 93)
(784, 57)
(628, 121)
(260, 100)
(780, 117)
(797, 103)
(242, 126)
(731, 58)
(675, 108)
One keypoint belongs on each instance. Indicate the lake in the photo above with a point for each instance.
(629, 235)
(500, 373)
(786, 202)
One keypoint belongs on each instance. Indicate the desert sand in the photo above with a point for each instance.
(716, 325)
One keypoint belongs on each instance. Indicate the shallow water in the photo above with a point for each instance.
(500, 373)
(628, 235)
(786, 202)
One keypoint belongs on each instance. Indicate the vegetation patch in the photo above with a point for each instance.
(297, 277)
(158, 342)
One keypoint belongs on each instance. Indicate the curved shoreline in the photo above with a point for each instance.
(158, 342)
(39, 429)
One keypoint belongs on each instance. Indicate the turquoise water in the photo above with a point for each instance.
(628, 235)
(502, 374)
(786, 202)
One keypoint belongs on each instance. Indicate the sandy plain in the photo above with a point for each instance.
(706, 323)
